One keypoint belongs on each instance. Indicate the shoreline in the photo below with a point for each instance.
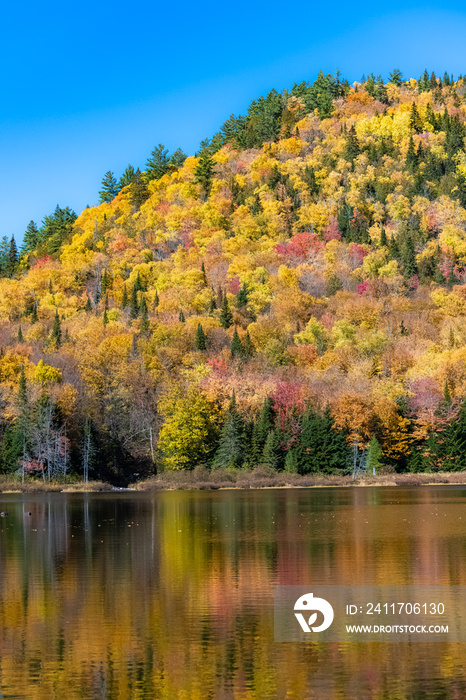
(257, 479)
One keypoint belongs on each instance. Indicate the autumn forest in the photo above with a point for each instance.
(293, 295)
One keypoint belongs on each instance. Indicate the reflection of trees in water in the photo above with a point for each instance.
(169, 595)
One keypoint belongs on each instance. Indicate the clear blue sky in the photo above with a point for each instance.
(92, 86)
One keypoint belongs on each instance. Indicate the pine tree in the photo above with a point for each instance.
(134, 304)
(291, 462)
(231, 448)
(212, 305)
(105, 282)
(403, 330)
(409, 258)
(204, 172)
(178, 158)
(105, 317)
(156, 299)
(144, 316)
(109, 187)
(56, 331)
(200, 341)
(226, 317)
(138, 192)
(352, 145)
(20, 335)
(242, 296)
(138, 285)
(158, 164)
(248, 347)
(204, 276)
(181, 317)
(31, 238)
(4, 248)
(127, 178)
(411, 156)
(383, 238)
(34, 317)
(12, 258)
(124, 298)
(236, 347)
(88, 306)
(373, 456)
(271, 455)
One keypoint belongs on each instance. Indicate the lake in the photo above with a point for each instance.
(124, 596)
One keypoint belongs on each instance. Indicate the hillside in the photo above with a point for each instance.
(293, 295)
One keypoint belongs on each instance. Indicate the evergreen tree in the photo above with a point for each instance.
(156, 299)
(226, 317)
(134, 304)
(411, 156)
(396, 77)
(248, 347)
(178, 158)
(158, 164)
(4, 248)
(20, 335)
(352, 145)
(144, 316)
(204, 276)
(12, 258)
(181, 317)
(204, 172)
(124, 298)
(291, 462)
(321, 447)
(383, 238)
(109, 187)
(127, 178)
(230, 451)
(242, 296)
(88, 306)
(56, 331)
(272, 455)
(409, 258)
(200, 341)
(34, 317)
(105, 317)
(138, 192)
(31, 238)
(374, 455)
(105, 282)
(56, 229)
(236, 347)
(212, 305)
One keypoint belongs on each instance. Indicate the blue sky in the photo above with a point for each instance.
(91, 87)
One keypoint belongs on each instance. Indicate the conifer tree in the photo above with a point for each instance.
(230, 451)
(127, 178)
(204, 172)
(124, 298)
(212, 305)
(20, 335)
(34, 317)
(144, 316)
(374, 456)
(181, 317)
(200, 341)
(271, 455)
(138, 192)
(236, 347)
(56, 335)
(383, 238)
(105, 317)
(156, 299)
(158, 163)
(226, 317)
(248, 347)
(109, 187)
(242, 296)
(88, 306)
(134, 304)
(31, 238)
(204, 276)
(12, 258)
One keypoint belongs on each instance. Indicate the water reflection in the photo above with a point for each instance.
(169, 595)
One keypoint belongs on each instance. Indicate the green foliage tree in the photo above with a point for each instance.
(226, 317)
(31, 238)
(158, 163)
(109, 187)
(127, 177)
(200, 341)
(56, 335)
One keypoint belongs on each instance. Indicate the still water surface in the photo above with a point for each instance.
(170, 595)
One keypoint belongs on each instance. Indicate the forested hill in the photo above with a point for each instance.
(293, 295)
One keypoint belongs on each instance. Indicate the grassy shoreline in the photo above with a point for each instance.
(259, 478)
